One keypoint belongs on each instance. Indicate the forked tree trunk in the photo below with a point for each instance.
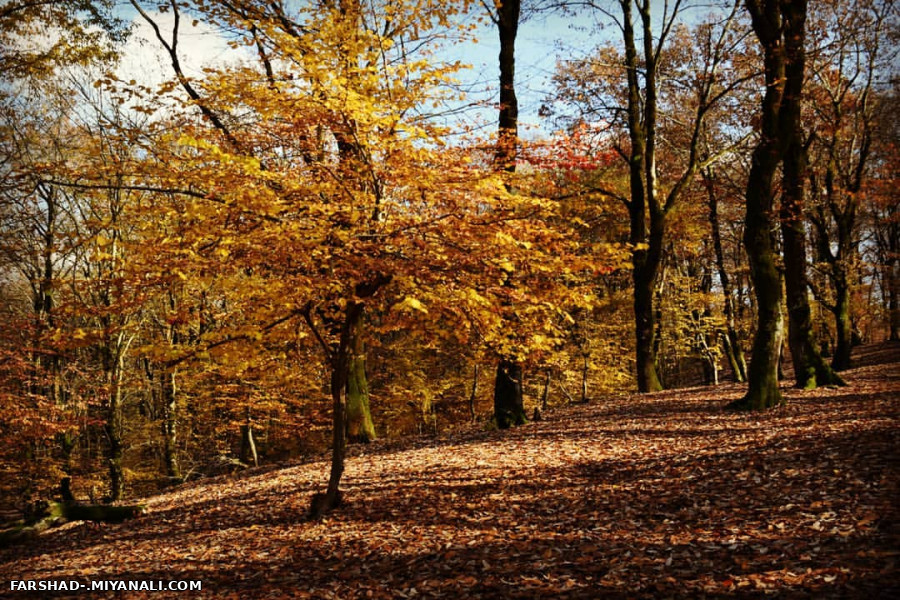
(340, 363)
(647, 253)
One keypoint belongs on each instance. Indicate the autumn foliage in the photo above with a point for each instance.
(307, 245)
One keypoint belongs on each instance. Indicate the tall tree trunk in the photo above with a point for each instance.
(360, 428)
(508, 400)
(509, 409)
(810, 370)
(647, 253)
(114, 434)
(772, 27)
(732, 344)
(507, 20)
(170, 426)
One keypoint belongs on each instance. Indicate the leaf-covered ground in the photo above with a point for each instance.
(664, 495)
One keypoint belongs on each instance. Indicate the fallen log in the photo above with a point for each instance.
(44, 515)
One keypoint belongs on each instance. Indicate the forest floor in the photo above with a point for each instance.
(663, 495)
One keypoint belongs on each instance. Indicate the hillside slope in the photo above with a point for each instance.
(663, 495)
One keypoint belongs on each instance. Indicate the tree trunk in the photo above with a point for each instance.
(763, 390)
(170, 427)
(810, 370)
(508, 402)
(114, 437)
(509, 409)
(248, 445)
(645, 328)
(473, 394)
(647, 253)
(776, 130)
(894, 298)
(844, 326)
(584, 380)
(545, 394)
(360, 428)
(507, 20)
(340, 368)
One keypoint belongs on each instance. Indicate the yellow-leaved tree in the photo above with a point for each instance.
(311, 180)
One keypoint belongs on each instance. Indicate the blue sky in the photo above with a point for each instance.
(543, 39)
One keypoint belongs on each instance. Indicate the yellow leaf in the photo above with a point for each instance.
(410, 303)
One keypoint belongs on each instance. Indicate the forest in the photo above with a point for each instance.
(331, 240)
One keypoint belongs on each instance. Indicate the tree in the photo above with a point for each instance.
(780, 28)
(318, 190)
(810, 370)
(88, 31)
(509, 409)
(647, 62)
(883, 209)
(850, 55)
(37, 254)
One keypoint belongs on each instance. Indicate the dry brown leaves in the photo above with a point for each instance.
(664, 495)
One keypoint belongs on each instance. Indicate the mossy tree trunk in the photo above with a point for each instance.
(360, 428)
(339, 355)
(779, 26)
(810, 370)
(843, 325)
